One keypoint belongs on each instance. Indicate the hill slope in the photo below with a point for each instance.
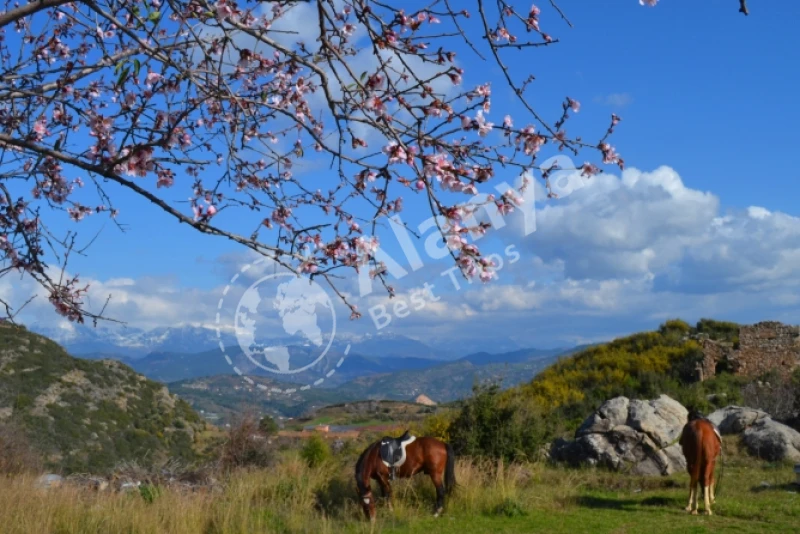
(88, 415)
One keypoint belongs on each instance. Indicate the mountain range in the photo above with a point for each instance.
(380, 366)
(220, 397)
(129, 343)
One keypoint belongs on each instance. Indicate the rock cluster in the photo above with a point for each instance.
(641, 436)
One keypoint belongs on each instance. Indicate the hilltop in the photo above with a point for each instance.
(518, 422)
(84, 415)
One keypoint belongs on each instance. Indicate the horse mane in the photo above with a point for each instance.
(360, 465)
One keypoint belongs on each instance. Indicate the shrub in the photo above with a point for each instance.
(510, 508)
(245, 445)
(438, 425)
(149, 492)
(496, 425)
(776, 395)
(315, 451)
(719, 330)
(268, 426)
(16, 454)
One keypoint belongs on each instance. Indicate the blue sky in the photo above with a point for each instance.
(709, 116)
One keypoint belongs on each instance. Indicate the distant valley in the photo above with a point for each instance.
(389, 367)
(221, 396)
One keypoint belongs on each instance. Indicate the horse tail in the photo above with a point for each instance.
(450, 469)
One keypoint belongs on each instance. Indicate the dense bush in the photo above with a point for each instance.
(245, 445)
(315, 451)
(498, 425)
(16, 453)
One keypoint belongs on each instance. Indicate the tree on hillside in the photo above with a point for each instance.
(292, 128)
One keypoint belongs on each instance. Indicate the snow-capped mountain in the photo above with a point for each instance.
(128, 343)
(132, 343)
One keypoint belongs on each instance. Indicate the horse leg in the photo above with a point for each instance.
(386, 490)
(708, 480)
(436, 478)
(692, 489)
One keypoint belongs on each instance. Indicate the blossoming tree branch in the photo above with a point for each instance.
(294, 143)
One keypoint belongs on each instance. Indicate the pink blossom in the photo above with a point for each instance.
(484, 127)
(487, 275)
(574, 104)
(152, 78)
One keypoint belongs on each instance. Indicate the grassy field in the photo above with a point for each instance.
(753, 497)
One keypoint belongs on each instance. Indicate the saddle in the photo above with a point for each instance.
(393, 451)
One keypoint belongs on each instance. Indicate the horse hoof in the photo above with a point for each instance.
(688, 508)
(709, 512)
(694, 512)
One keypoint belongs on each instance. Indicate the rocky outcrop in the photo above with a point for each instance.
(639, 436)
(424, 400)
(763, 436)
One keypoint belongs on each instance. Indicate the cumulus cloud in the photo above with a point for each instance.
(618, 254)
(650, 224)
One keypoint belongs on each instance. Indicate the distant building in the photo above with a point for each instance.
(322, 428)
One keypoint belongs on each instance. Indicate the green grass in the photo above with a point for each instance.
(294, 498)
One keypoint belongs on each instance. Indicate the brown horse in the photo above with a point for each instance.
(701, 444)
(413, 455)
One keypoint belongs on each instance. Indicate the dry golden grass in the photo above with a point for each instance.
(293, 497)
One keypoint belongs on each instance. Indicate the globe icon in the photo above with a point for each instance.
(285, 323)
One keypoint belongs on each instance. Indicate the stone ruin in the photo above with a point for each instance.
(763, 347)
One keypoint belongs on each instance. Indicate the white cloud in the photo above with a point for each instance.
(620, 254)
(615, 100)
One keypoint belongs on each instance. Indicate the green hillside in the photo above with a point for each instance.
(518, 422)
(87, 415)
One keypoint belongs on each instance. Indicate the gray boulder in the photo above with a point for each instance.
(763, 436)
(772, 441)
(635, 435)
(662, 419)
(735, 419)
